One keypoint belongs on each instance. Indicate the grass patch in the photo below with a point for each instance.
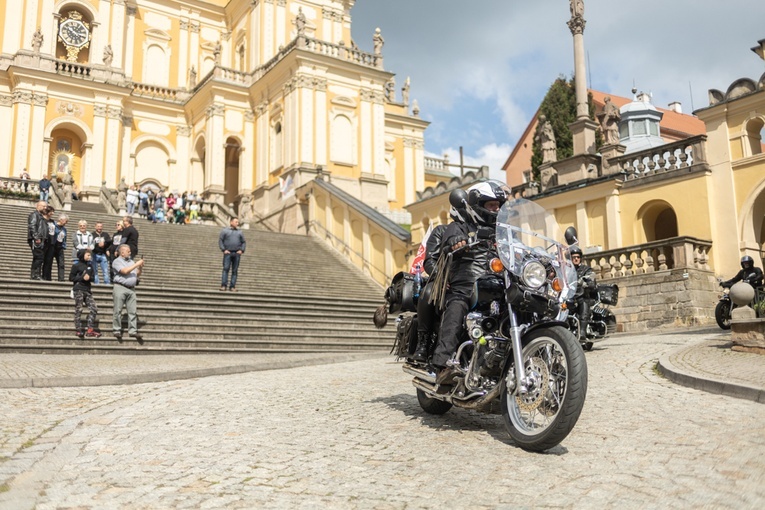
(4, 488)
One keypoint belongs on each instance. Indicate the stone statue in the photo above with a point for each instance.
(546, 138)
(390, 90)
(415, 108)
(548, 178)
(245, 208)
(192, 77)
(378, 41)
(405, 92)
(68, 182)
(37, 40)
(577, 8)
(300, 22)
(108, 55)
(216, 52)
(609, 122)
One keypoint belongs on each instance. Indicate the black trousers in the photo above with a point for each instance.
(584, 313)
(38, 257)
(426, 312)
(452, 326)
(47, 269)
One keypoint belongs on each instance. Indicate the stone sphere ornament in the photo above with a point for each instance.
(741, 293)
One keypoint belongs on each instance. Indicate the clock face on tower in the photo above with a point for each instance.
(74, 33)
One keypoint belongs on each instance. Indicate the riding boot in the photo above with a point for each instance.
(583, 330)
(421, 351)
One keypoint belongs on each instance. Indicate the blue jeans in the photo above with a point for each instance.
(230, 261)
(100, 260)
(44, 195)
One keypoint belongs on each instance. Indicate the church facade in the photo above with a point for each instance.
(234, 99)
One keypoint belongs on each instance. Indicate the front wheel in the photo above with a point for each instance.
(722, 314)
(555, 366)
(432, 405)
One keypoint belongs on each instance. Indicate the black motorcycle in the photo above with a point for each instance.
(602, 321)
(517, 356)
(725, 306)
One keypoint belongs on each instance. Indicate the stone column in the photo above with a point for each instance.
(6, 119)
(119, 44)
(96, 42)
(281, 23)
(183, 150)
(30, 23)
(130, 42)
(306, 110)
(613, 225)
(246, 157)
(365, 146)
(22, 99)
(95, 166)
(48, 26)
(183, 55)
(410, 185)
(126, 159)
(582, 129)
(582, 224)
(87, 158)
(37, 134)
(47, 141)
(12, 28)
(215, 157)
(262, 144)
(111, 153)
(378, 139)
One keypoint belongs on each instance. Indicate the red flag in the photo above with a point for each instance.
(420, 257)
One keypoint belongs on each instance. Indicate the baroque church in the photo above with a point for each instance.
(234, 99)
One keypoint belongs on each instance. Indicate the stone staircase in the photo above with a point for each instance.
(295, 295)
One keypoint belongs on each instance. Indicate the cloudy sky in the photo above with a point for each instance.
(480, 68)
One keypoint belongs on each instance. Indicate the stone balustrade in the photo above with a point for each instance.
(72, 68)
(673, 253)
(436, 164)
(341, 51)
(667, 158)
(232, 76)
(15, 185)
(159, 92)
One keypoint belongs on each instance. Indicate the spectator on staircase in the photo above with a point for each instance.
(83, 240)
(50, 242)
(169, 202)
(101, 243)
(59, 246)
(180, 216)
(143, 203)
(113, 251)
(45, 185)
(194, 211)
(37, 231)
(25, 179)
(159, 200)
(159, 216)
(231, 242)
(130, 235)
(127, 273)
(81, 275)
(131, 199)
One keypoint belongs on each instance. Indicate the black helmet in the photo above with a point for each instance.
(575, 250)
(745, 259)
(483, 192)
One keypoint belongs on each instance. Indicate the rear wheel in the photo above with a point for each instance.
(432, 405)
(556, 368)
(722, 314)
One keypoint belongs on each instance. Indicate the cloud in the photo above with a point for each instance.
(492, 155)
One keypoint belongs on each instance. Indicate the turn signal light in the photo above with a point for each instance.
(557, 285)
(496, 265)
(563, 306)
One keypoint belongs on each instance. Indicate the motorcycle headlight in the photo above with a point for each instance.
(534, 274)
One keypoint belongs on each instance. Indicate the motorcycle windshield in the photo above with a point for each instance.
(525, 232)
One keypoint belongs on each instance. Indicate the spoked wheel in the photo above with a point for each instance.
(556, 368)
(432, 405)
(722, 314)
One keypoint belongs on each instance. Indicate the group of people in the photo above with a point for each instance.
(158, 207)
(113, 256)
(92, 253)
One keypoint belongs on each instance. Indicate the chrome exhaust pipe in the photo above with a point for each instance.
(420, 373)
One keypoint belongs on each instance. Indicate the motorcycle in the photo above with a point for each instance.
(517, 356)
(602, 321)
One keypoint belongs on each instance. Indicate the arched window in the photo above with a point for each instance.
(755, 131)
(342, 141)
(659, 221)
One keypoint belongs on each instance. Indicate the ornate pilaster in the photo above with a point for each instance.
(6, 100)
(215, 109)
(372, 96)
(183, 130)
(99, 110)
(114, 112)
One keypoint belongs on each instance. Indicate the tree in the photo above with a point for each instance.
(559, 106)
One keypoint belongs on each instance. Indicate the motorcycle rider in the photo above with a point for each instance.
(426, 311)
(471, 244)
(749, 274)
(585, 287)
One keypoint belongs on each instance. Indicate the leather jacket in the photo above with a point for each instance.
(586, 286)
(433, 249)
(752, 276)
(37, 227)
(471, 263)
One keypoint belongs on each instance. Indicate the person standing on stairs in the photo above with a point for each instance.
(81, 276)
(37, 232)
(231, 243)
(126, 276)
(130, 235)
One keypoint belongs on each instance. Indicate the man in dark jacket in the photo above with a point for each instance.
(585, 288)
(472, 247)
(130, 235)
(748, 274)
(37, 232)
(81, 276)
(231, 243)
(101, 243)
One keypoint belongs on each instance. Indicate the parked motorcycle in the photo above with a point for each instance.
(517, 356)
(603, 321)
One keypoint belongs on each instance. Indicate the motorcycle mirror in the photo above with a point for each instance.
(458, 198)
(571, 236)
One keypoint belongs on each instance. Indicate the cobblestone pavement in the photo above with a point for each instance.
(351, 435)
